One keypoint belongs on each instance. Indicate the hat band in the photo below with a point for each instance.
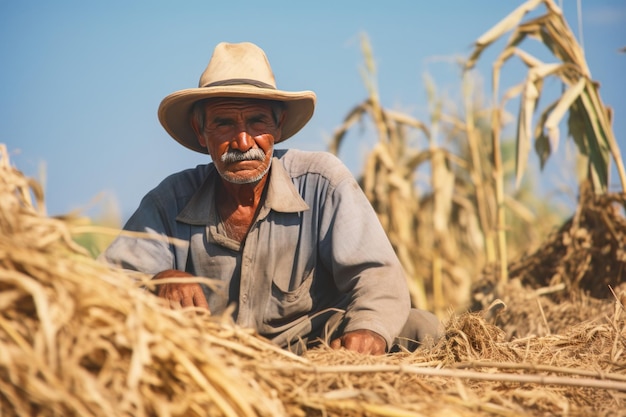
(239, 81)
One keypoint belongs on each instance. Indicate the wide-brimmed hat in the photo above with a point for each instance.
(236, 70)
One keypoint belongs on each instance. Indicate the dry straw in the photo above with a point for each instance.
(77, 338)
(80, 339)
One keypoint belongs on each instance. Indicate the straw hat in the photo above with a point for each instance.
(236, 70)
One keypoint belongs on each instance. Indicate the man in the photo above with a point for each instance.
(289, 235)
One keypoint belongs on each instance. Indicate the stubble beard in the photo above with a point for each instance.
(254, 154)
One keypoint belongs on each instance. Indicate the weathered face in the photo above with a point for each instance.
(239, 135)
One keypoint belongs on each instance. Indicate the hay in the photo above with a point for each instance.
(80, 339)
(575, 275)
(587, 253)
(77, 338)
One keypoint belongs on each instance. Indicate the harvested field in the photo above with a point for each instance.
(80, 339)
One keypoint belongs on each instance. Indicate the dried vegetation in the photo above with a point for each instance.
(574, 276)
(80, 339)
(472, 213)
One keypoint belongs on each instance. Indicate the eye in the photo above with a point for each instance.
(259, 123)
(221, 126)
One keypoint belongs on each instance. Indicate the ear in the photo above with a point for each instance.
(199, 134)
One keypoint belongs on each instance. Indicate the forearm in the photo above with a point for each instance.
(385, 317)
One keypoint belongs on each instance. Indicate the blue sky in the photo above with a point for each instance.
(81, 81)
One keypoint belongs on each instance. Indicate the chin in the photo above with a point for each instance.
(244, 179)
(251, 177)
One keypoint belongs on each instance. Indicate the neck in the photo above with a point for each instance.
(243, 195)
(240, 198)
(238, 205)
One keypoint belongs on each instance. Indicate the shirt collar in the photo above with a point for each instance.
(281, 196)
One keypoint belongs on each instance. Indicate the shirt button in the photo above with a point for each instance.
(244, 298)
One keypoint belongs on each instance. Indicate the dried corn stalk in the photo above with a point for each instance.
(589, 120)
(418, 225)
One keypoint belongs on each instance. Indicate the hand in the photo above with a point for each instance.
(183, 294)
(362, 341)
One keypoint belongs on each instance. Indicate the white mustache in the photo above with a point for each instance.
(254, 154)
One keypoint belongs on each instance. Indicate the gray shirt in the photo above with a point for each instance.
(316, 246)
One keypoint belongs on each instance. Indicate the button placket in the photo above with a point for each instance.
(246, 315)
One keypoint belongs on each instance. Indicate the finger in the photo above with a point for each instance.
(164, 292)
(365, 343)
(348, 341)
(199, 300)
(335, 344)
(372, 345)
(353, 343)
(378, 348)
(187, 299)
(170, 292)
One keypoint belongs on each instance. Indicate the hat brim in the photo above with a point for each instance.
(175, 109)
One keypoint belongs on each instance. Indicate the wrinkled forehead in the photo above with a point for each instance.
(211, 105)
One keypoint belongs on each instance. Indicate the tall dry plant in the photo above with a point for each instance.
(445, 233)
(589, 121)
(428, 243)
(388, 177)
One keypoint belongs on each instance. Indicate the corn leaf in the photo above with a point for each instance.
(512, 92)
(597, 144)
(524, 124)
(499, 29)
(542, 143)
(577, 130)
(563, 105)
(443, 187)
(407, 120)
(355, 116)
(528, 59)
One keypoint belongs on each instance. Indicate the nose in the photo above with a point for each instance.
(243, 141)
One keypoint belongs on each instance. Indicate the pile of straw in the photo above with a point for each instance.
(578, 273)
(80, 339)
(587, 253)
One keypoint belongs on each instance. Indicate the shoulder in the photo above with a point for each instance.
(309, 163)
